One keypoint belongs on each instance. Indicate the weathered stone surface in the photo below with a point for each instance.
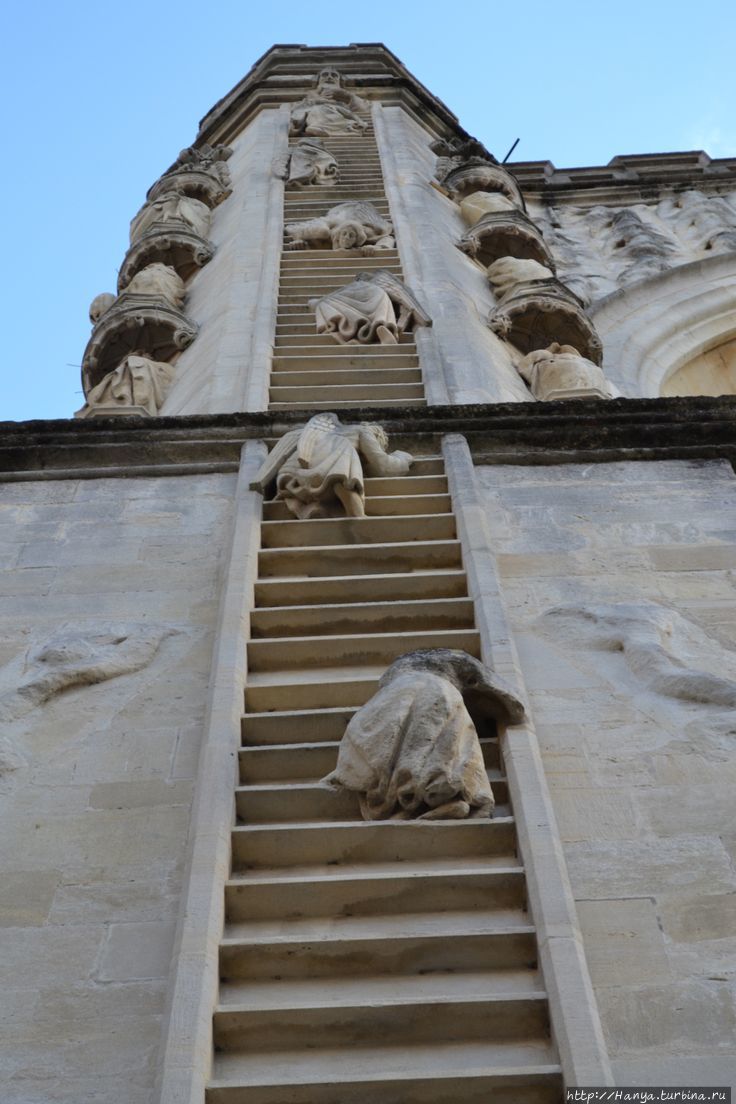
(623, 943)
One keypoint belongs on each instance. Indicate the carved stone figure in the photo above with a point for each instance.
(99, 305)
(137, 386)
(453, 153)
(308, 162)
(351, 225)
(161, 281)
(507, 272)
(412, 751)
(478, 204)
(560, 372)
(364, 312)
(172, 207)
(199, 171)
(328, 109)
(704, 222)
(318, 468)
(76, 655)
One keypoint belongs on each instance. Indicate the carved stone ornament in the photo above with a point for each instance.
(145, 318)
(318, 469)
(328, 109)
(171, 229)
(505, 234)
(538, 312)
(482, 176)
(412, 752)
(307, 163)
(200, 172)
(354, 225)
(478, 204)
(365, 311)
(559, 372)
(137, 386)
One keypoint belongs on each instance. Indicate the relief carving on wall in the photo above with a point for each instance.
(318, 469)
(412, 751)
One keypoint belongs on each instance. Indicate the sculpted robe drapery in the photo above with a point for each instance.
(310, 462)
(412, 751)
(136, 382)
(353, 314)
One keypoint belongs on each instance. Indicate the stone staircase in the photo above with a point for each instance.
(310, 370)
(364, 961)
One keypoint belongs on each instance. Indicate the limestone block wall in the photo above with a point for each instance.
(99, 576)
(619, 583)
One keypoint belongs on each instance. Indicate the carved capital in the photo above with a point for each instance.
(505, 234)
(537, 313)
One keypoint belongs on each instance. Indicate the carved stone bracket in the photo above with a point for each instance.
(199, 172)
(505, 234)
(539, 312)
(482, 176)
(145, 323)
(172, 243)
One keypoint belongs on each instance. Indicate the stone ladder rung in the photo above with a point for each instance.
(293, 802)
(442, 1019)
(288, 691)
(449, 583)
(345, 379)
(335, 952)
(350, 892)
(376, 506)
(293, 762)
(449, 1081)
(367, 404)
(361, 617)
(342, 531)
(282, 727)
(373, 393)
(305, 652)
(270, 845)
(359, 559)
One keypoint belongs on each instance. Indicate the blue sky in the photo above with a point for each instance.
(100, 98)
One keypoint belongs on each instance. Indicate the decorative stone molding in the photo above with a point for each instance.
(307, 163)
(559, 372)
(137, 386)
(200, 172)
(328, 109)
(318, 468)
(364, 311)
(171, 229)
(505, 234)
(539, 312)
(481, 176)
(352, 225)
(145, 318)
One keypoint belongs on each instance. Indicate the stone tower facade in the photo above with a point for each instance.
(518, 385)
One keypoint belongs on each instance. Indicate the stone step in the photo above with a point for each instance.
(288, 803)
(269, 845)
(414, 950)
(351, 356)
(448, 583)
(292, 762)
(353, 893)
(362, 1025)
(308, 339)
(293, 691)
(357, 559)
(347, 379)
(420, 1075)
(356, 531)
(368, 392)
(365, 405)
(295, 726)
(305, 652)
(318, 258)
(409, 485)
(349, 619)
(377, 506)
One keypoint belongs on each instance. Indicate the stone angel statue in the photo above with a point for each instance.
(365, 311)
(308, 162)
(412, 752)
(318, 468)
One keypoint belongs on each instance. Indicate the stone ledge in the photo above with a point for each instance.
(590, 431)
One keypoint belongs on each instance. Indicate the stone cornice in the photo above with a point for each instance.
(589, 431)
